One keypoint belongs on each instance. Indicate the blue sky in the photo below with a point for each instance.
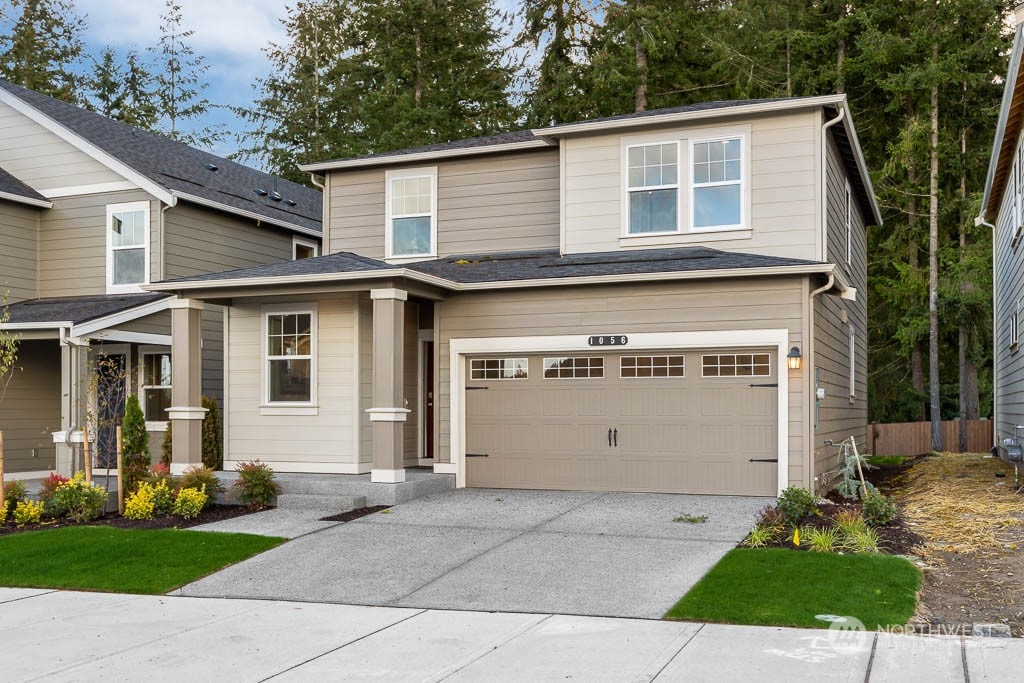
(229, 34)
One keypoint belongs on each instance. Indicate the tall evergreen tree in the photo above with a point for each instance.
(119, 91)
(42, 46)
(180, 82)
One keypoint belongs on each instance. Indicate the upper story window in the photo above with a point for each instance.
(127, 246)
(411, 208)
(289, 355)
(653, 184)
(303, 248)
(717, 197)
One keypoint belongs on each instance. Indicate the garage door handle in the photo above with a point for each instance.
(616, 433)
(609, 437)
(773, 386)
(477, 455)
(763, 460)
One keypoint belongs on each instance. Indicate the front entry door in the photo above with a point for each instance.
(428, 400)
(111, 394)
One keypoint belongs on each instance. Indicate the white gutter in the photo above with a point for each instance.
(49, 325)
(44, 203)
(328, 278)
(414, 157)
(243, 212)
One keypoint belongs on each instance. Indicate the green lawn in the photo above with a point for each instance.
(97, 558)
(779, 587)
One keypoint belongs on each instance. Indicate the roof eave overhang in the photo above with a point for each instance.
(202, 201)
(417, 157)
(453, 286)
(1007, 133)
(90, 327)
(31, 201)
(585, 127)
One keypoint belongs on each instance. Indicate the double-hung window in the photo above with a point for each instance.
(156, 386)
(717, 184)
(289, 356)
(127, 246)
(653, 187)
(411, 201)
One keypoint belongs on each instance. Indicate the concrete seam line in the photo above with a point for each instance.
(485, 650)
(687, 641)
(871, 658)
(963, 658)
(523, 532)
(28, 597)
(343, 645)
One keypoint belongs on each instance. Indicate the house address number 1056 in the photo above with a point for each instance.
(608, 340)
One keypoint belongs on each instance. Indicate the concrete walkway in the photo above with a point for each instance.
(66, 636)
(556, 552)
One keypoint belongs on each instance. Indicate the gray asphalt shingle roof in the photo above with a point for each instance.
(77, 309)
(11, 185)
(180, 168)
(514, 266)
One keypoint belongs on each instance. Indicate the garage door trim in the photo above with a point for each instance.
(462, 347)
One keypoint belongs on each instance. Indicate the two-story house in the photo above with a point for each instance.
(667, 301)
(1002, 208)
(92, 210)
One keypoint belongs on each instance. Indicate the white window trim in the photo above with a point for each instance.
(301, 241)
(732, 352)
(652, 356)
(849, 225)
(499, 379)
(268, 407)
(389, 176)
(123, 208)
(589, 357)
(627, 190)
(744, 182)
(1015, 325)
(151, 426)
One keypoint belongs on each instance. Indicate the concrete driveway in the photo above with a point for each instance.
(598, 554)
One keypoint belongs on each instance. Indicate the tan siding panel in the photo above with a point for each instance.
(18, 272)
(30, 410)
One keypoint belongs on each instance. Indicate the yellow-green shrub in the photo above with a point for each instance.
(28, 512)
(190, 502)
(3, 511)
(139, 504)
(76, 499)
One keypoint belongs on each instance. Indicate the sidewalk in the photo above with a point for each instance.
(66, 636)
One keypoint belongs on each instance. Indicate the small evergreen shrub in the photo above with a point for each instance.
(213, 448)
(166, 446)
(190, 502)
(28, 512)
(134, 443)
(255, 484)
(204, 478)
(77, 500)
(796, 503)
(878, 510)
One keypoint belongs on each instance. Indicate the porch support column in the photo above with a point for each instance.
(389, 412)
(186, 412)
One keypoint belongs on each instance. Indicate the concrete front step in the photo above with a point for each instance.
(419, 483)
(331, 504)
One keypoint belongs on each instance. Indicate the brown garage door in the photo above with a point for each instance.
(666, 421)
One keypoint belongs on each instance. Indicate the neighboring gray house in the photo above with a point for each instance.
(605, 305)
(92, 210)
(1003, 209)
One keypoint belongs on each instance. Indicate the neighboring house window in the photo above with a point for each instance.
(653, 187)
(849, 226)
(853, 362)
(290, 352)
(156, 386)
(127, 246)
(304, 248)
(717, 190)
(411, 213)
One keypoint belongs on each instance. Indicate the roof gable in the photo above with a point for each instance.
(170, 170)
(14, 190)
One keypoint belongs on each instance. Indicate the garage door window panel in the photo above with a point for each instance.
(736, 365)
(574, 367)
(499, 368)
(631, 367)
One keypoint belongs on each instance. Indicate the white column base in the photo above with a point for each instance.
(387, 476)
(178, 469)
(388, 414)
(446, 468)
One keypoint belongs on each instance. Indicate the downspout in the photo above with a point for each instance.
(978, 222)
(163, 241)
(324, 199)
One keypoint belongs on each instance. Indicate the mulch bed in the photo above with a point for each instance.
(214, 513)
(894, 538)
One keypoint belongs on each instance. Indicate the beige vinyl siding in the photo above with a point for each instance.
(785, 172)
(212, 325)
(156, 323)
(495, 203)
(324, 439)
(73, 242)
(839, 417)
(42, 159)
(411, 372)
(30, 410)
(18, 232)
(200, 240)
(1009, 360)
(365, 378)
(659, 307)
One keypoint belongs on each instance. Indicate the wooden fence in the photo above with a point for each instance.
(914, 438)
